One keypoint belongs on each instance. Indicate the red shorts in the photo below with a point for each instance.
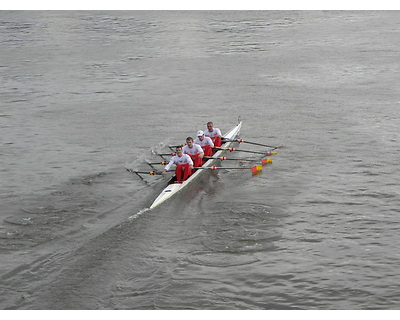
(182, 172)
(207, 151)
(197, 162)
(217, 141)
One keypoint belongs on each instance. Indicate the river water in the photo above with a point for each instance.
(85, 95)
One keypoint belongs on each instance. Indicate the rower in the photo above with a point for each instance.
(194, 151)
(204, 142)
(184, 165)
(214, 134)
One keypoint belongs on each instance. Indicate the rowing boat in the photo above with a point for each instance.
(173, 188)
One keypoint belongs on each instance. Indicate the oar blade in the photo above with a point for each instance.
(257, 168)
(266, 161)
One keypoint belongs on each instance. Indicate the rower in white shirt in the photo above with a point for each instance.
(204, 142)
(184, 165)
(214, 134)
(194, 151)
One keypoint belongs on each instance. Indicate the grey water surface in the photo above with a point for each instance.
(85, 95)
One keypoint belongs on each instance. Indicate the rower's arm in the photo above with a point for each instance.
(169, 165)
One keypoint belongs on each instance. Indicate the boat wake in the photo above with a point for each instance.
(153, 153)
(155, 150)
(138, 214)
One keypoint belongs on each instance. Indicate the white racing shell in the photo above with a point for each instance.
(174, 188)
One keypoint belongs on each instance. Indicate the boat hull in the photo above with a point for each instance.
(174, 188)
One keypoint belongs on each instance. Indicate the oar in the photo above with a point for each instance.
(166, 154)
(152, 173)
(263, 161)
(233, 149)
(254, 168)
(162, 163)
(255, 143)
(151, 164)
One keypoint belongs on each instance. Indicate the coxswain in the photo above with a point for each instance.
(184, 165)
(194, 151)
(214, 134)
(204, 142)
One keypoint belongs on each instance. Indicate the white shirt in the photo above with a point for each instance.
(206, 141)
(196, 149)
(214, 133)
(179, 160)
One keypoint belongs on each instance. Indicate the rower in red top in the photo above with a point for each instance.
(214, 134)
(204, 142)
(184, 165)
(194, 151)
